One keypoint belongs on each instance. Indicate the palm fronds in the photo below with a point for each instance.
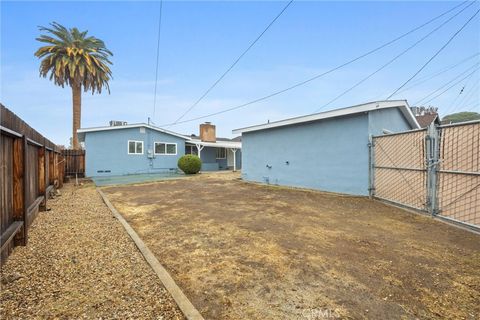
(72, 58)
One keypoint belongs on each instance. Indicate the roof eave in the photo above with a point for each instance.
(366, 107)
(82, 131)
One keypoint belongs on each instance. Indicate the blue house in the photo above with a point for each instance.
(325, 151)
(121, 149)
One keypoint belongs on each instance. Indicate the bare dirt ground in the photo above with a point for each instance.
(81, 264)
(247, 251)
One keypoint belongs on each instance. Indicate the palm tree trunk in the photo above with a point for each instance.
(77, 113)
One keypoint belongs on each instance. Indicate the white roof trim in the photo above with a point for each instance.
(402, 104)
(82, 131)
(217, 144)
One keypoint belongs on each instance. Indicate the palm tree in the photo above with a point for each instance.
(73, 59)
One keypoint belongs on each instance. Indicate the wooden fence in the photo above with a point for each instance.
(74, 163)
(31, 166)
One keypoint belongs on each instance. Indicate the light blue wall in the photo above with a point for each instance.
(108, 150)
(330, 155)
(211, 163)
(391, 119)
(238, 159)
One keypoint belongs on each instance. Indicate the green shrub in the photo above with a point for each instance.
(190, 164)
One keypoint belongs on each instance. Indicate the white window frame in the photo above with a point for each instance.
(216, 153)
(193, 150)
(128, 147)
(165, 143)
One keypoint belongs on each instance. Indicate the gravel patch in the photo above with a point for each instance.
(80, 263)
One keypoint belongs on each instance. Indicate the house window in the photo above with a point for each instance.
(221, 153)
(191, 150)
(165, 148)
(135, 147)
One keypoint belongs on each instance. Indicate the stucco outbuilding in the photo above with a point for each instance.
(326, 151)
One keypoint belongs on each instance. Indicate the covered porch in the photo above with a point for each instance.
(219, 155)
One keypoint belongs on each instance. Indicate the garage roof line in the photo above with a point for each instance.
(366, 107)
(81, 132)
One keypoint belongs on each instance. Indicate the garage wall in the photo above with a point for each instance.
(107, 151)
(330, 155)
(391, 119)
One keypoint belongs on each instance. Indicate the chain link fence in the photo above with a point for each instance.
(435, 170)
(400, 172)
(459, 173)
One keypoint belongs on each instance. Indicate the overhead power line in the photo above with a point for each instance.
(321, 74)
(459, 94)
(234, 63)
(468, 96)
(394, 59)
(472, 67)
(439, 72)
(453, 85)
(158, 54)
(462, 93)
(431, 76)
(436, 54)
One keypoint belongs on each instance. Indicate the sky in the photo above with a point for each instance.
(200, 40)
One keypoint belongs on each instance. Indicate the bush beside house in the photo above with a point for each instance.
(190, 164)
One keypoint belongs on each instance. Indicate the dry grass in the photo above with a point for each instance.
(248, 251)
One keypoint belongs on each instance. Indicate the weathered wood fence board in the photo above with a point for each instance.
(74, 163)
(30, 166)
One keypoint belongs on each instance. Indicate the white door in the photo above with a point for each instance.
(229, 158)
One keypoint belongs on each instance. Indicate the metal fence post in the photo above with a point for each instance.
(371, 167)
(432, 159)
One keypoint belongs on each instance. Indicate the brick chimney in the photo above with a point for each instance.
(207, 132)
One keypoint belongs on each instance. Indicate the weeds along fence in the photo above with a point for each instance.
(435, 170)
(31, 166)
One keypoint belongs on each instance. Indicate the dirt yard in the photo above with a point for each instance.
(247, 251)
(81, 264)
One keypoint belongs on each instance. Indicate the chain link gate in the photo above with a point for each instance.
(434, 170)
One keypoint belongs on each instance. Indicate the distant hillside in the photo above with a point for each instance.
(461, 117)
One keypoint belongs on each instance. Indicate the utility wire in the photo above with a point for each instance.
(453, 85)
(324, 73)
(158, 54)
(431, 76)
(473, 94)
(474, 108)
(453, 106)
(459, 93)
(418, 102)
(394, 59)
(464, 102)
(436, 54)
(234, 63)
(441, 71)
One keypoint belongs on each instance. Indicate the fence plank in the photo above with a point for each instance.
(74, 163)
(27, 172)
(18, 184)
(41, 171)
